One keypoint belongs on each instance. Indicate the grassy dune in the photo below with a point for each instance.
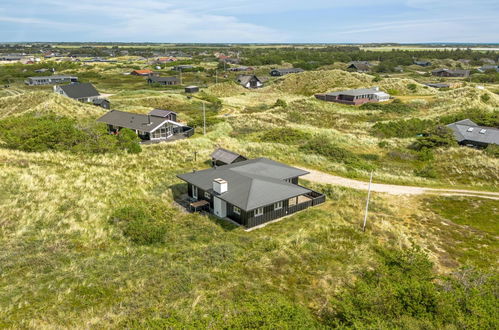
(66, 262)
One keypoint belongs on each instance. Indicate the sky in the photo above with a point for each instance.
(250, 21)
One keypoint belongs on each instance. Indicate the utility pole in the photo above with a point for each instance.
(367, 202)
(204, 120)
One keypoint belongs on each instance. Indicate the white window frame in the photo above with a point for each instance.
(207, 195)
(236, 210)
(259, 212)
(195, 192)
(278, 206)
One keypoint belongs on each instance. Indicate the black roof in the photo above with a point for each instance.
(162, 79)
(251, 183)
(225, 155)
(77, 91)
(287, 71)
(161, 113)
(135, 121)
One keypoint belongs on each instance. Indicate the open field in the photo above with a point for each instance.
(67, 260)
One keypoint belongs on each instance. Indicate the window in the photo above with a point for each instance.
(470, 129)
(237, 210)
(195, 192)
(278, 206)
(207, 195)
(292, 201)
(482, 131)
(259, 212)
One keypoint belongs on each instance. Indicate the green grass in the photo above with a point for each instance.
(476, 213)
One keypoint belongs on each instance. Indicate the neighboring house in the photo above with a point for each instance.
(398, 68)
(282, 72)
(10, 58)
(470, 134)
(489, 68)
(158, 125)
(191, 89)
(249, 81)
(437, 85)
(142, 73)
(103, 103)
(422, 63)
(183, 67)
(359, 66)
(166, 60)
(251, 192)
(84, 92)
(355, 96)
(451, 73)
(241, 68)
(50, 80)
(163, 80)
(223, 156)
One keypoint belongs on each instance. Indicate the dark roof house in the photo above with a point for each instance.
(142, 72)
(250, 81)
(489, 68)
(50, 80)
(422, 63)
(437, 85)
(163, 80)
(191, 89)
(103, 103)
(469, 133)
(450, 73)
(158, 125)
(359, 66)
(355, 96)
(251, 192)
(222, 156)
(282, 72)
(84, 92)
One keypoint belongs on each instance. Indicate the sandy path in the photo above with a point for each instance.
(321, 177)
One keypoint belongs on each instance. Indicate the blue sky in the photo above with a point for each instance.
(328, 21)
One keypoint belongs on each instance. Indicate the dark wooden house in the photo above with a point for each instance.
(359, 66)
(251, 192)
(222, 156)
(451, 73)
(282, 72)
(468, 133)
(165, 81)
(191, 89)
(103, 103)
(422, 63)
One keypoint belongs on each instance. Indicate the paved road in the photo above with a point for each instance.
(321, 177)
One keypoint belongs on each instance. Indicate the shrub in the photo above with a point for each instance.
(33, 133)
(426, 172)
(142, 224)
(402, 128)
(493, 150)
(285, 135)
(395, 107)
(280, 103)
(485, 98)
(412, 87)
(215, 101)
(129, 141)
(401, 292)
(440, 136)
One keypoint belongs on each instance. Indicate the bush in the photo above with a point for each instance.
(479, 116)
(285, 135)
(142, 224)
(395, 107)
(129, 141)
(440, 136)
(280, 103)
(215, 101)
(412, 87)
(402, 128)
(401, 292)
(492, 150)
(33, 133)
(485, 98)
(426, 172)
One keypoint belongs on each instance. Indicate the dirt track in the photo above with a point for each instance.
(320, 177)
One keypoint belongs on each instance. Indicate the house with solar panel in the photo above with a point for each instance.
(158, 125)
(470, 134)
(250, 192)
